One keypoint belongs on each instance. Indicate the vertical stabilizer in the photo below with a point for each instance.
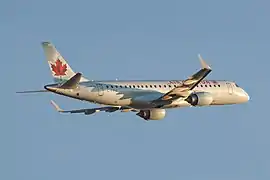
(59, 67)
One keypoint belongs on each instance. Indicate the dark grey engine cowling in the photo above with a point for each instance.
(200, 99)
(153, 114)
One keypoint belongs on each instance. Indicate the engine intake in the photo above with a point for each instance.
(200, 99)
(153, 114)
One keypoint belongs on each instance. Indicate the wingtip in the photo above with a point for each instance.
(203, 63)
(46, 43)
(56, 106)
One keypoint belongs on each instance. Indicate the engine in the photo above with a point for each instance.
(200, 99)
(153, 114)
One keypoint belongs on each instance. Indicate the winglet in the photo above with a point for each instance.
(56, 106)
(203, 63)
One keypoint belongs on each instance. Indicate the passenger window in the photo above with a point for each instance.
(111, 86)
(146, 86)
(205, 85)
(107, 87)
(116, 86)
(150, 86)
(210, 85)
(155, 86)
(160, 86)
(130, 86)
(165, 86)
(219, 85)
(120, 86)
(134, 86)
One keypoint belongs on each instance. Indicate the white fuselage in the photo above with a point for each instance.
(137, 94)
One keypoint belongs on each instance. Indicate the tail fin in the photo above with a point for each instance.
(60, 69)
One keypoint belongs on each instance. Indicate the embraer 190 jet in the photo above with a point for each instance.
(148, 99)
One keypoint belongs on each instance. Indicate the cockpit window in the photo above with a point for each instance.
(236, 85)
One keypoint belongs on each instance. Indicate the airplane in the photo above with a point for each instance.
(148, 99)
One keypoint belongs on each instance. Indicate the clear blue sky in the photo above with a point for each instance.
(140, 39)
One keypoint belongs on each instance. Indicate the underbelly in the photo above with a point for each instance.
(115, 100)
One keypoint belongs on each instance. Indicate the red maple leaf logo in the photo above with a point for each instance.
(59, 68)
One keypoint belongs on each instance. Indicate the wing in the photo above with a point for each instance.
(185, 89)
(94, 110)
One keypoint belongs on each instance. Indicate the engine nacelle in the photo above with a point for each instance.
(200, 99)
(153, 114)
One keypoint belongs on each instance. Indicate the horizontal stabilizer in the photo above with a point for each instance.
(72, 82)
(36, 91)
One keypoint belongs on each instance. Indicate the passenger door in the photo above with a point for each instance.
(100, 89)
(230, 88)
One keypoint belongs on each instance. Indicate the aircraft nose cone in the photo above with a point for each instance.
(245, 96)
